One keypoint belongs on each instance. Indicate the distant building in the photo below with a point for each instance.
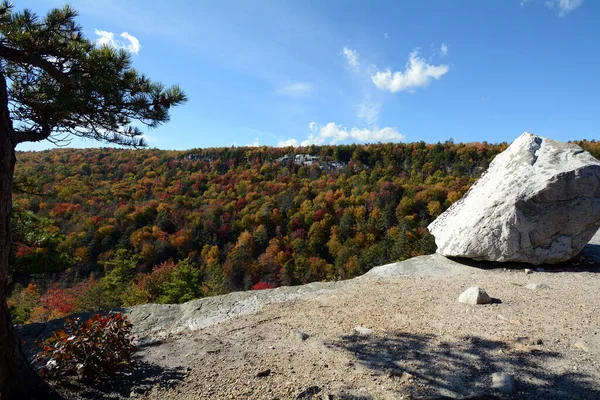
(307, 160)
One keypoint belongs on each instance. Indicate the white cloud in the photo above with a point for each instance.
(253, 144)
(418, 73)
(294, 89)
(564, 6)
(131, 43)
(134, 43)
(288, 143)
(106, 38)
(351, 57)
(333, 133)
(369, 111)
(444, 49)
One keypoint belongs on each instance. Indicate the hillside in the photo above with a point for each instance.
(141, 226)
(144, 226)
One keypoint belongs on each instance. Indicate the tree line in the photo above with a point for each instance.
(103, 228)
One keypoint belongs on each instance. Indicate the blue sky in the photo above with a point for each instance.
(328, 72)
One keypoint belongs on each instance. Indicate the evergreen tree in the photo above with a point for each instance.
(54, 83)
(184, 284)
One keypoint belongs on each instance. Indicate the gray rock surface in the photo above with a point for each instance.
(430, 265)
(539, 202)
(474, 295)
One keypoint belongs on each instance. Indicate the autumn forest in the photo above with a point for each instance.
(103, 228)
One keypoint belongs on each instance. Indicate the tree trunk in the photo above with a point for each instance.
(18, 380)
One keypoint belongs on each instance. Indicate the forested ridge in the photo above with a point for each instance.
(102, 228)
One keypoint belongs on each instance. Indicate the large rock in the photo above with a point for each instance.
(539, 202)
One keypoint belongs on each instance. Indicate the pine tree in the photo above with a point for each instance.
(55, 83)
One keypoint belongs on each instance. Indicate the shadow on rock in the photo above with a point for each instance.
(464, 369)
(584, 262)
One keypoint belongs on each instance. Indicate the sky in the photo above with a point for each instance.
(298, 72)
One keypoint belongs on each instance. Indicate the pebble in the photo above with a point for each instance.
(263, 374)
(299, 335)
(528, 271)
(474, 295)
(536, 286)
(406, 377)
(309, 393)
(362, 331)
(503, 382)
(581, 345)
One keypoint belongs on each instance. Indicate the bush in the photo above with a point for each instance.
(99, 347)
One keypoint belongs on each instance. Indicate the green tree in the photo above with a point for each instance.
(54, 82)
(119, 271)
(184, 284)
(41, 237)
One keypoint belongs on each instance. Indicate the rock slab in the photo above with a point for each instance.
(474, 295)
(539, 202)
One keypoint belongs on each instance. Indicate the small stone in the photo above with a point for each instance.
(528, 271)
(474, 295)
(263, 374)
(309, 393)
(530, 341)
(299, 335)
(536, 286)
(503, 382)
(406, 377)
(581, 345)
(362, 331)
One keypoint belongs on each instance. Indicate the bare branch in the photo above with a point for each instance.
(33, 135)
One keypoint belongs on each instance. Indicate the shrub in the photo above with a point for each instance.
(99, 347)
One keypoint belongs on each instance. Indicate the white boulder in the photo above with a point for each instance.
(539, 202)
(474, 295)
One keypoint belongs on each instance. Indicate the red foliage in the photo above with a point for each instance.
(263, 286)
(59, 301)
(318, 215)
(23, 250)
(99, 347)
